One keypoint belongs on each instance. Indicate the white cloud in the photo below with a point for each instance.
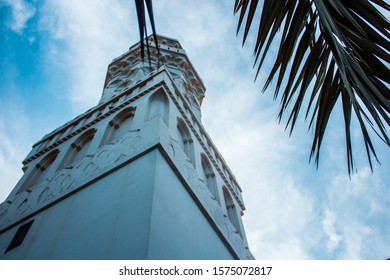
(264, 247)
(21, 12)
(328, 224)
(363, 213)
(14, 136)
(92, 34)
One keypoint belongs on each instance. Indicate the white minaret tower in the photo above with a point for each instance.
(135, 177)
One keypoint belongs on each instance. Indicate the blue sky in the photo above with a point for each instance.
(54, 55)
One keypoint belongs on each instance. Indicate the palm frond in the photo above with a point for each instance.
(143, 32)
(328, 50)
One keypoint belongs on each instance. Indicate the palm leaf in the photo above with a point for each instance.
(328, 50)
(143, 32)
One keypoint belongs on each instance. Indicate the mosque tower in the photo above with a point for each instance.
(135, 177)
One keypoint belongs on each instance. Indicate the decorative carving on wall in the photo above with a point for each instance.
(166, 42)
(208, 148)
(44, 195)
(119, 80)
(66, 180)
(127, 71)
(207, 199)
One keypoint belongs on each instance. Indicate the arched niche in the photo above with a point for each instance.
(231, 211)
(120, 125)
(185, 140)
(78, 149)
(40, 171)
(158, 106)
(209, 177)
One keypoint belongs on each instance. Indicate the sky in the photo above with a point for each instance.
(53, 59)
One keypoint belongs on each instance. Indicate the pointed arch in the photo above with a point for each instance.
(185, 140)
(118, 126)
(40, 171)
(209, 177)
(78, 149)
(195, 102)
(158, 106)
(231, 211)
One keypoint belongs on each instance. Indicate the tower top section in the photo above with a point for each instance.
(127, 70)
